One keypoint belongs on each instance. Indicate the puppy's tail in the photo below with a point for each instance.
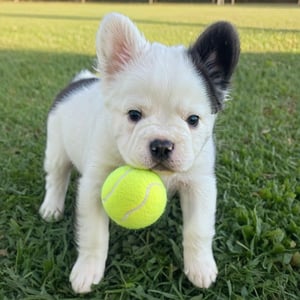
(84, 74)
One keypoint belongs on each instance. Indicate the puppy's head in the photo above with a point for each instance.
(162, 101)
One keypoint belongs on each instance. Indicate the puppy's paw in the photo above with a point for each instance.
(200, 269)
(51, 211)
(88, 270)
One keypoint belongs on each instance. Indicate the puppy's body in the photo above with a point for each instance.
(153, 108)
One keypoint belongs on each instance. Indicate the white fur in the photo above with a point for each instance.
(91, 130)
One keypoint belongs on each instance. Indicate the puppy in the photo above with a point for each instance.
(153, 108)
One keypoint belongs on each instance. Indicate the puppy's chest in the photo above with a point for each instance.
(172, 184)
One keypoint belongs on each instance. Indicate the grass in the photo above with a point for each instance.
(257, 244)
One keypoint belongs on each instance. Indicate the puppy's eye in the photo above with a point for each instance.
(134, 115)
(193, 120)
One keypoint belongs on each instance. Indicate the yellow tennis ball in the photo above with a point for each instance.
(133, 198)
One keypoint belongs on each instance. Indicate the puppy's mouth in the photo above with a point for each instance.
(161, 151)
(161, 167)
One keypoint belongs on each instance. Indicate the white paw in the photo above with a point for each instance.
(200, 269)
(87, 271)
(50, 211)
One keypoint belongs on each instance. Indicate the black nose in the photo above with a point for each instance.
(161, 149)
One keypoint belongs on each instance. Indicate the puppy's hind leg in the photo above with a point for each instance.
(58, 168)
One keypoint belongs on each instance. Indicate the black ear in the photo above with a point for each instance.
(215, 55)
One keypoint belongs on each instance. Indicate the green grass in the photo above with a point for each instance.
(257, 244)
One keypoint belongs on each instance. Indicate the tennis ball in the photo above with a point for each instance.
(133, 198)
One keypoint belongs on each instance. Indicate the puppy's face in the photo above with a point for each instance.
(162, 101)
(161, 116)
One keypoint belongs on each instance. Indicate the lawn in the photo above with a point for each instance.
(257, 243)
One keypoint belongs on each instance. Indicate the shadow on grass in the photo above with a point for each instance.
(263, 117)
(138, 21)
(29, 83)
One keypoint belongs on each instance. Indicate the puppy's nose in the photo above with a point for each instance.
(161, 149)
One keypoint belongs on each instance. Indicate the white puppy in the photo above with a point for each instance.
(154, 108)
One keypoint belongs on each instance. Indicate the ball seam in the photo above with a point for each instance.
(148, 190)
(116, 185)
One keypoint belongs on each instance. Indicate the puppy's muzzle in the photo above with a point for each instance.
(161, 150)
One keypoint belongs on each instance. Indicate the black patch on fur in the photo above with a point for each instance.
(215, 55)
(71, 88)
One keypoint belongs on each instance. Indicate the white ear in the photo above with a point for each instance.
(118, 42)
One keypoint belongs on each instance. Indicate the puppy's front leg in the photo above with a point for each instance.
(92, 235)
(198, 202)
